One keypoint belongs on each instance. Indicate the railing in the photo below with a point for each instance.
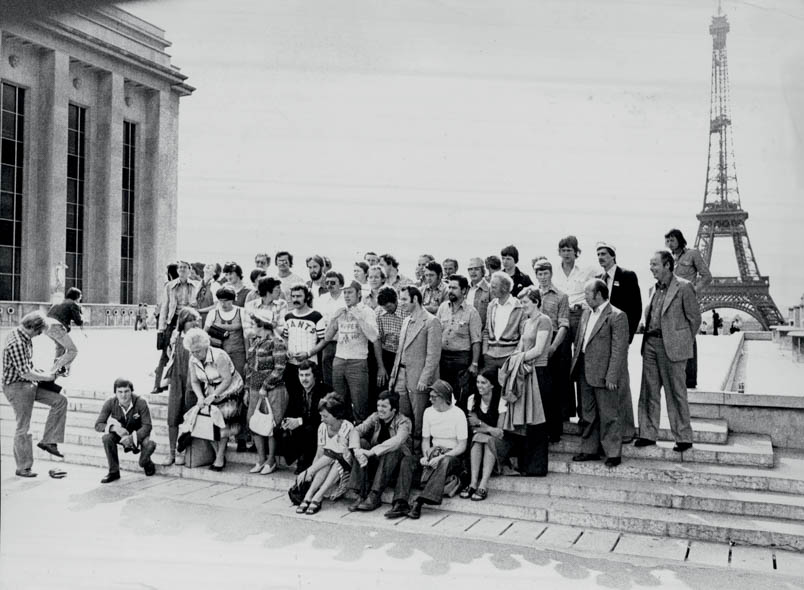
(95, 314)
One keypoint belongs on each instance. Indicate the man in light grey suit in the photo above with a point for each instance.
(598, 364)
(671, 321)
(417, 358)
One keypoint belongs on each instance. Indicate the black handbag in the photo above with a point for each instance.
(217, 335)
(160, 341)
(298, 490)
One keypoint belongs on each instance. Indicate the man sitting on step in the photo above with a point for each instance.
(386, 441)
(125, 420)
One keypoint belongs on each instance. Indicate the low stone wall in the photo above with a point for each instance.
(781, 417)
(95, 314)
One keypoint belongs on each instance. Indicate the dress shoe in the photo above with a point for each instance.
(371, 503)
(149, 468)
(111, 476)
(354, 506)
(169, 460)
(180, 459)
(398, 510)
(268, 469)
(26, 473)
(644, 442)
(214, 467)
(585, 457)
(415, 512)
(613, 461)
(50, 448)
(681, 447)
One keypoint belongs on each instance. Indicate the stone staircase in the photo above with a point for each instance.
(727, 488)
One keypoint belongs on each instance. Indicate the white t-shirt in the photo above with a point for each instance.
(445, 428)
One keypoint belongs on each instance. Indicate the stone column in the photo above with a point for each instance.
(104, 211)
(156, 224)
(45, 212)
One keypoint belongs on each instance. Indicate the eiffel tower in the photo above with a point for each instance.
(722, 216)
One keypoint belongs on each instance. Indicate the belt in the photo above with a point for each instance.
(653, 333)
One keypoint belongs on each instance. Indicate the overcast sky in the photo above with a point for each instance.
(456, 127)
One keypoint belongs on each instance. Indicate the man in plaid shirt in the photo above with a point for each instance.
(21, 385)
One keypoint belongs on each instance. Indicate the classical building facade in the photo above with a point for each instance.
(90, 110)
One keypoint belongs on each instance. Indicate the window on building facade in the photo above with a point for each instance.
(127, 227)
(12, 116)
(76, 165)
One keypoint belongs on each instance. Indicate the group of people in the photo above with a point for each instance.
(442, 379)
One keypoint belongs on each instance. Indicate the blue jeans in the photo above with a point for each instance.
(21, 396)
(350, 380)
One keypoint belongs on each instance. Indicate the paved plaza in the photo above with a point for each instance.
(167, 533)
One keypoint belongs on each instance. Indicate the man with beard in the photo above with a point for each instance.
(461, 339)
(315, 266)
(304, 329)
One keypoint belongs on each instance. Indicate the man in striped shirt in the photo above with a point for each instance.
(304, 328)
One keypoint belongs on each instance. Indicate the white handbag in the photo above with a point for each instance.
(261, 423)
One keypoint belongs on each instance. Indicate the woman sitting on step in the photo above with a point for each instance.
(489, 449)
(332, 466)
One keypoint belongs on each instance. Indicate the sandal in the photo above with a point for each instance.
(302, 508)
(480, 495)
(467, 492)
(314, 507)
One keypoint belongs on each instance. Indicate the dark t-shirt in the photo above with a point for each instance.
(67, 311)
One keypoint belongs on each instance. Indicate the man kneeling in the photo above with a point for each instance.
(386, 446)
(125, 420)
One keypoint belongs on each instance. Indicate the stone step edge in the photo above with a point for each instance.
(725, 454)
(658, 521)
(679, 494)
(703, 431)
(742, 529)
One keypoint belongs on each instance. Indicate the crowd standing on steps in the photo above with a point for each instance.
(438, 383)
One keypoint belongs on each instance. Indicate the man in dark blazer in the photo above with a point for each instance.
(125, 420)
(298, 431)
(624, 294)
(671, 321)
(598, 364)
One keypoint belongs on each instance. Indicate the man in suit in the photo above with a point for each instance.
(624, 294)
(671, 322)
(125, 420)
(598, 364)
(417, 359)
